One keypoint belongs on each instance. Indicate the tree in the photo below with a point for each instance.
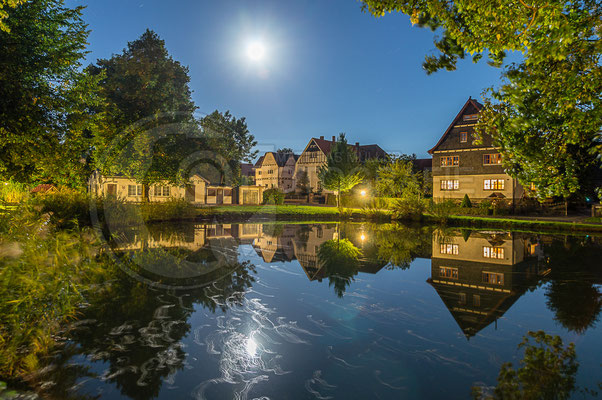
(397, 179)
(4, 5)
(229, 138)
(546, 116)
(547, 371)
(147, 105)
(302, 181)
(340, 260)
(44, 96)
(285, 150)
(342, 170)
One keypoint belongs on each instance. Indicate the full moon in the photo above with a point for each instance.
(256, 51)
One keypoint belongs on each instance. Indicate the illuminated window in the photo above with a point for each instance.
(493, 278)
(449, 249)
(470, 117)
(493, 184)
(134, 190)
(463, 137)
(450, 161)
(492, 159)
(450, 184)
(493, 252)
(447, 272)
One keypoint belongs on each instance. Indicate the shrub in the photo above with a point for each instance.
(171, 209)
(466, 202)
(273, 196)
(442, 210)
(409, 209)
(13, 192)
(67, 207)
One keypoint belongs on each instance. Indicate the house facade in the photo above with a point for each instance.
(276, 170)
(462, 167)
(197, 191)
(315, 155)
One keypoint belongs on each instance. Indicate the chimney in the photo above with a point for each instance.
(357, 144)
(334, 139)
(321, 137)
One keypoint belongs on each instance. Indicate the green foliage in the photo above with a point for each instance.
(302, 182)
(340, 259)
(273, 196)
(170, 210)
(466, 203)
(342, 171)
(45, 98)
(35, 296)
(547, 371)
(13, 192)
(411, 208)
(4, 5)
(399, 245)
(397, 179)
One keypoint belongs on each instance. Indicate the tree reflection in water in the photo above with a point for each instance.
(136, 330)
(340, 260)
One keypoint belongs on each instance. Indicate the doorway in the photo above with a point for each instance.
(112, 189)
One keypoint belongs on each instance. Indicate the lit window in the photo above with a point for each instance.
(447, 272)
(463, 137)
(450, 184)
(470, 117)
(493, 184)
(493, 252)
(493, 278)
(449, 249)
(450, 161)
(492, 159)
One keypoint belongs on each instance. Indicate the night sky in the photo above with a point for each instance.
(327, 68)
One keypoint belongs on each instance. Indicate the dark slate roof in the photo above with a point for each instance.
(364, 152)
(469, 102)
(423, 163)
(281, 158)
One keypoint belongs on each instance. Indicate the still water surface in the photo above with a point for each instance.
(318, 311)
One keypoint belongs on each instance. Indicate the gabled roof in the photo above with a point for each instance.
(43, 188)
(423, 163)
(281, 158)
(468, 103)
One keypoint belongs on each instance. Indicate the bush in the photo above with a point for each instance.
(13, 192)
(466, 202)
(171, 209)
(273, 196)
(409, 209)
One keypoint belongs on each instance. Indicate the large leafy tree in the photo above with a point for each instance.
(398, 179)
(147, 125)
(44, 96)
(546, 115)
(342, 171)
(5, 5)
(229, 141)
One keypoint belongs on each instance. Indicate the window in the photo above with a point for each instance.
(493, 278)
(476, 300)
(447, 272)
(227, 192)
(450, 161)
(212, 192)
(463, 137)
(134, 190)
(492, 159)
(462, 298)
(258, 172)
(470, 117)
(493, 184)
(449, 249)
(450, 184)
(493, 252)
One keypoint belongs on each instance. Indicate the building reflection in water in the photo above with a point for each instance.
(479, 275)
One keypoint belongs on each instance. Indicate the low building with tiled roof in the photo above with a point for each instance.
(315, 155)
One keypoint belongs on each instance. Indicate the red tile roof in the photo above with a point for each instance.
(364, 152)
(43, 188)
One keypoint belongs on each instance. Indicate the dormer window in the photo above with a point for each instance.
(463, 137)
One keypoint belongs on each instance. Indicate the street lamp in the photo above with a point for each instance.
(363, 193)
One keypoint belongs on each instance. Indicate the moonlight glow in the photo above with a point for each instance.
(256, 51)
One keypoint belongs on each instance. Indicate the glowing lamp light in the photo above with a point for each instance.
(363, 192)
(363, 237)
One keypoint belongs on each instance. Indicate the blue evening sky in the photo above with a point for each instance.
(328, 67)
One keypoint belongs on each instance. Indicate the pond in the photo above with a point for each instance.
(319, 311)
